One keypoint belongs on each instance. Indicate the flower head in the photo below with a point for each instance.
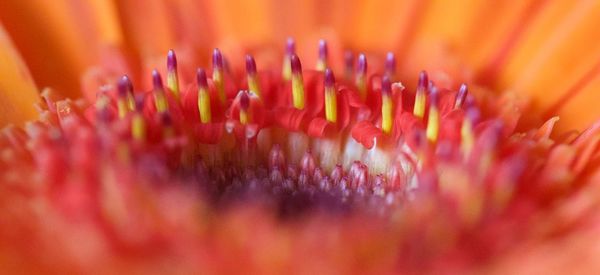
(339, 161)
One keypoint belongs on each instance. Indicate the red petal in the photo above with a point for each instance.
(210, 133)
(365, 133)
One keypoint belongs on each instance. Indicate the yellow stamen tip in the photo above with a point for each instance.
(138, 127)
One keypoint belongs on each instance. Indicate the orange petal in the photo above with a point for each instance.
(17, 91)
(555, 54)
(56, 38)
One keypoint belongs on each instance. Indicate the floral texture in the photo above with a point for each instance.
(407, 143)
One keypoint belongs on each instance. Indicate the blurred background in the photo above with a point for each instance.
(522, 46)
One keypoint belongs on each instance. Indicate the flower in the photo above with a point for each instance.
(349, 159)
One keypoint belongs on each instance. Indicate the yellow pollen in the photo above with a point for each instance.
(173, 83)
(419, 109)
(298, 91)
(138, 127)
(122, 106)
(160, 101)
(467, 137)
(244, 117)
(433, 124)
(330, 104)
(204, 105)
(321, 65)
(218, 80)
(361, 84)
(387, 107)
(131, 102)
(253, 85)
(286, 71)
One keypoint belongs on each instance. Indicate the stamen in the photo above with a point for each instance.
(433, 121)
(390, 64)
(387, 105)
(330, 97)
(361, 76)
(218, 71)
(297, 83)
(290, 49)
(125, 98)
(167, 125)
(138, 124)
(244, 108)
(172, 78)
(203, 97)
(322, 61)
(253, 85)
(348, 65)
(160, 100)
(460, 96)
(420, 97)
(466, 131)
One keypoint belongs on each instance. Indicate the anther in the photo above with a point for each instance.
(467, 131)
(387, 105)
(244, 107)
(203, 97)
(138, 124)
(390, 65)
(361, 76)
(125, 101)
(420, 98)
(348, 65)
(460, 96)
(433, 121)
(330, 97)
(290, 49)
(160, 100)
(253, 85)
(218, 74)
(323, 52)
(297, 83)
(172, 78)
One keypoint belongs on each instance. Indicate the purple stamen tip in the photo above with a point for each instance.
(295, 64)
(473, 114)
(433, 96)
(157, 80)
(244, 100)
(322, 49)
(390, 62)
(217, 59)
(462, 93)
(171, 61)
(250, 65)
(362, 64)
(423, 80)
(329, 78)
(348, 59)
(386, 85)
(124, 86)
(201, 78)
(290, 46)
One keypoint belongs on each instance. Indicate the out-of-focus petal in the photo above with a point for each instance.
(17, 91)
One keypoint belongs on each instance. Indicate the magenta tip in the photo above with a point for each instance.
(290, 46)
(329, 78)
(433, 96)
(295, 64)
(244, 100)
(362, 64)
(423, 80)
(201, 78)
(171, 61)
(386, 85)
(217, 59)
(322, 49)
(124, 86)
(390, 63)
(250, 65)
(157, 80)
